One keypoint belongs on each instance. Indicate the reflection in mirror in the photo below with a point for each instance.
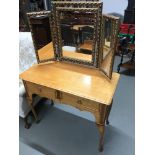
(109, 29)
(77, 31)
(107, 32)
(77, 35)
(39, 23)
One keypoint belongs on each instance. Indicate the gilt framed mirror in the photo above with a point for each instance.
(41, 28)
(78, 27)
(109, 35)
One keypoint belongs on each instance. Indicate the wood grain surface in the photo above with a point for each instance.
(80, 81)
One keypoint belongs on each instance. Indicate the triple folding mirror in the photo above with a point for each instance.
(75, 32)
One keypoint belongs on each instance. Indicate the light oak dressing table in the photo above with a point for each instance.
(80, 87)
(71, 77)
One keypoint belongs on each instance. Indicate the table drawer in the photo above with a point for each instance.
(79, 102)
(40, 90)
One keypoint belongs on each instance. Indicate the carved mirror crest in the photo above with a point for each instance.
(109, 31)
(41, 28)
(78, 28)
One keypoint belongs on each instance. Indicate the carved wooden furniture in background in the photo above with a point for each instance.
(83, 88)
(30, 6)
(127, 46)
(68, 37)
(41, 30)
(130, 63)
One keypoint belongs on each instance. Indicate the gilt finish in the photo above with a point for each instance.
(93, 7)
(52, 23)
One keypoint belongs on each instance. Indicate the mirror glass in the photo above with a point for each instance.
(109, 29)
(42, 38)
(77, 34)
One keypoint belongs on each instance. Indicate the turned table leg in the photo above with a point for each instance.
(108, 113)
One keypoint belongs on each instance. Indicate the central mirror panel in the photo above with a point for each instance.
(77, 34)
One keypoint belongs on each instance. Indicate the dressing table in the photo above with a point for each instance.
(81, 87)
(84, 81)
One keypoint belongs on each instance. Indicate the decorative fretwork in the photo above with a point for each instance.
(94, 8)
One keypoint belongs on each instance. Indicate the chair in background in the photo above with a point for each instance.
(127, 48)
(68, 36)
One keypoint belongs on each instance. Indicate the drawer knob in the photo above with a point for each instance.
(40, 89)
(79, 101)
(58, 95)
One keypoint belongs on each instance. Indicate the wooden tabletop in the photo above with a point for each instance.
(77, 80)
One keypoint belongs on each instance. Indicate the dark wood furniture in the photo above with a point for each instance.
(127, 46)
(41, 30)
(26, 6)
(128, 64)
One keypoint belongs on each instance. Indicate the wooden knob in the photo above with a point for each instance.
(40, 89)
(79, 101)
(58, 94)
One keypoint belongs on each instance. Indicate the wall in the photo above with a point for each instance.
(117, 6)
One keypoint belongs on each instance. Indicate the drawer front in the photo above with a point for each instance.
(40, 90)
(64, 98)
(80, 103)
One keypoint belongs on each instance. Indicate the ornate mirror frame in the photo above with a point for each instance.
(52, 29)
(109, 59)
(93, 7)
